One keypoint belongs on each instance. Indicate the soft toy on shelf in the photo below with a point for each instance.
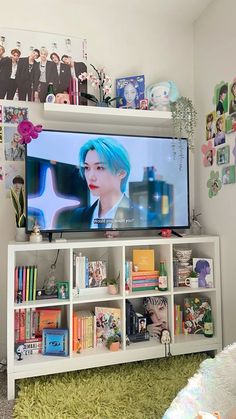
(28, 131)
(160, 95)
(62, 98)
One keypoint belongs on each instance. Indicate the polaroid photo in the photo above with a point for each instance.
(228, 175)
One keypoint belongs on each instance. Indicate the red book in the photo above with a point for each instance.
(22, 324)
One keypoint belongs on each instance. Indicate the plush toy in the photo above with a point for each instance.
(28, 131)
(160, 95)
(62, 98)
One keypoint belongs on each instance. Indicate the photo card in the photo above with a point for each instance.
(232, 96)
(230, 123)
(222, 155)
(228, 175)
(130, 90)
(63, 290)
(221, 98)
(204, 269)
(220, 131)
(210, 125)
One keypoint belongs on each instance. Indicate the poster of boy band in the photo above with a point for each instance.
(29, 61)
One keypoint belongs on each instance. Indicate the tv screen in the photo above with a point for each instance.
(84, 182)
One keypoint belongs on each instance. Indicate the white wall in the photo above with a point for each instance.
(215, 60)
(128, 37)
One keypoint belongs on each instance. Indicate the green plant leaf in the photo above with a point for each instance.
(89, 97)
(15, 202)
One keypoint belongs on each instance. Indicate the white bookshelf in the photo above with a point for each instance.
(117, 250)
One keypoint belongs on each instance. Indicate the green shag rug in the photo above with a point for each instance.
(138, 390)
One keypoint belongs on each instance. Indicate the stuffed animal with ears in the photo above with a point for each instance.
(160, 95)
(28, 131)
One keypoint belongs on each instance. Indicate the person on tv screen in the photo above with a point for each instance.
(105, 165)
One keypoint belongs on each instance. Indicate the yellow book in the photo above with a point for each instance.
(27, 283)
(144, 259)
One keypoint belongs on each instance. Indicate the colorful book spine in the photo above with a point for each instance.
(35, 282)
(145, 284)
(144, 288)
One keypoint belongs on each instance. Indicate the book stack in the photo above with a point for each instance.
(144, 276)
(25, 283)
(29, 324)
(143, 281)
(83, 330)
(87, 274)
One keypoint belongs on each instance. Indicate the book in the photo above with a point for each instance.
(195, 309)
(156, 311)
(108, 323)
(55, 342)
(47, 318)
(144, 259)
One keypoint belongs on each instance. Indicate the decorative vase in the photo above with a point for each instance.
(20, 234)
(112, 289)
(102, 104)
(115, 346)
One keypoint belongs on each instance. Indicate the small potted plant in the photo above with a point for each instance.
(112, 284)
(113, 343)
(18, 201)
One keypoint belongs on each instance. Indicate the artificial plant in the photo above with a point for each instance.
(184, 117)
(18, 201)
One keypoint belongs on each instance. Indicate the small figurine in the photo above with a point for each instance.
(160, 95)
(165, 340)
(36, 236)
(19, 297)
(20, 351)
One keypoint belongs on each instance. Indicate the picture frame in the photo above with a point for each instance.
(63, 290)
(142, 325)
(204, 268)
(55, 342)
(130, 91)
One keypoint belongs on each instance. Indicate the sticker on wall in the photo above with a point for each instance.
(230, 123)
(13, 150)
(214, 184)
(0, 113)
(14, 115)
(208, 154)
(220, 131)
(1, 173)
(210, 126)
(232, 96)
(0, 134)
(221, 98)
(228, 175)
(14, 176)
(223, 155)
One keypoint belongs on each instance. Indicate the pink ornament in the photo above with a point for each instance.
(28, 131)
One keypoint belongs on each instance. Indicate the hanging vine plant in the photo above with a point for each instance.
(184, 117)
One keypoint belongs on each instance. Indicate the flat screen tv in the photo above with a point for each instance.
(80, 182)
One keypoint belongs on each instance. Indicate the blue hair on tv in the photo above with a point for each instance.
(110, 152)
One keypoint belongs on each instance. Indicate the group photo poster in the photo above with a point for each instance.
(30, 60)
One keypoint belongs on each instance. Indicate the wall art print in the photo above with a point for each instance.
(130, 90)
(30, 60)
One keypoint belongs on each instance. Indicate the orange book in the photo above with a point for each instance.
(144, 259)
(47, 319)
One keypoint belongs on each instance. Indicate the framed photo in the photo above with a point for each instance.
(55, 342)
(222, 156)
(204, 268)
(221, 98)
(130, 90)
(143, 104)
(142, 325)
(63, 290)
(228, 175)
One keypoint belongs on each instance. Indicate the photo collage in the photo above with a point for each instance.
(219, 146)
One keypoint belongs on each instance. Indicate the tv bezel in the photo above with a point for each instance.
(57, 231)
